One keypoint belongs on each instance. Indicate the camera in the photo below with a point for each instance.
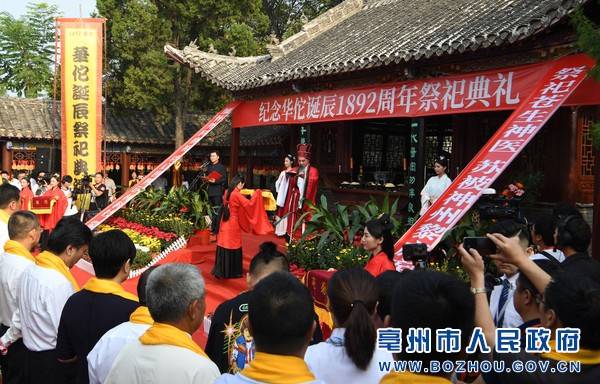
(497, 207)
(417, 253)
(82, 185)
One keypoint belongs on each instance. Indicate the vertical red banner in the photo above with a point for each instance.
(524, 123)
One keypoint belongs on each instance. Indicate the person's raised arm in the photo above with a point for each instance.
(473, 264)
(510, 251)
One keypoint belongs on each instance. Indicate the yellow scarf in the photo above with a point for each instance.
(109, 287)
(268, 368)
(412, 378)
(160, 334)
(49, 260)
(4, 216)
(585, 356)
(16, 248)
(141, 316)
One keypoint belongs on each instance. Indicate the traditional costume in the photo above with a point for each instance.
(281, 187)
(26, 198)
(100, 360)
(434, 188)
(246, 215)
(379, 264)
(303, 186)
(49, 221)
(104, 301)
(163, 354)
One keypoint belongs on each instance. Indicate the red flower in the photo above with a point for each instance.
(184, 209)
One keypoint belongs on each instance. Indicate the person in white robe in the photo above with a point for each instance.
(281, 187)
(436, 185)
(166, 353)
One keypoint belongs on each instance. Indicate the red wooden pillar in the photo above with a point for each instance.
(6, 158)
(124, 169)
(235, 151)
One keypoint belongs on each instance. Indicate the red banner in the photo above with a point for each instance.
(557, 83)
(163, 167)
(501, 89)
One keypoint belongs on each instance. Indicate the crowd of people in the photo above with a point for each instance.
(54, 331)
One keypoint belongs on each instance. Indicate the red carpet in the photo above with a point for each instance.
(203, 256)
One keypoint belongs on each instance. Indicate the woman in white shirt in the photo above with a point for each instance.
(68, 191)
(281, 187)
(436, 185)
(349, 355)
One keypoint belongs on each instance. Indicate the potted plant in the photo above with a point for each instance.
(200, 214)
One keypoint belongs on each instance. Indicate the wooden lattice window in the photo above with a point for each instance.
(372, 150)
(587, 149)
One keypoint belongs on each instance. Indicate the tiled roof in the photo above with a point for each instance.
(32, 119)
(360, 34)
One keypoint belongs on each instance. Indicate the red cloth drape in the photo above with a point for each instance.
(26, 197)
(244, 215)
(58, 211)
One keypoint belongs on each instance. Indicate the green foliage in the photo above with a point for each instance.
(588, 35)
(335, 254)
(169, 223)
(344, 223)
(469, 226)
(141, 259)
(191, 206)
(143, 78)
(287, 16)
(27, 51)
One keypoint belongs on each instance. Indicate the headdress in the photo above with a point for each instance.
(303, 150)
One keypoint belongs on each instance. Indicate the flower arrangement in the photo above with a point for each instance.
(122, 223)
(305, 255)
(153, 244)
(515, 190)
(170, 223)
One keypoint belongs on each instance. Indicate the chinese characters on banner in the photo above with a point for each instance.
(81, 89)
(477, 92)
(414, 181)
(162, 167)
(556, 85)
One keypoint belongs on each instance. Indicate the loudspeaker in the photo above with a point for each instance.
(42, 159)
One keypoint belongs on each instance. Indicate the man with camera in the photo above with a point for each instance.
(99, 192)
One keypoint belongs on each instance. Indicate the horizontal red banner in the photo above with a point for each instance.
(502, 89)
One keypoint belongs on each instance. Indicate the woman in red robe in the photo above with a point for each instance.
(26, 194)
(238, 214)
(377, 240)
(48, 222)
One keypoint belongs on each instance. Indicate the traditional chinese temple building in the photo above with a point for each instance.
(381, 87)
(133, 141)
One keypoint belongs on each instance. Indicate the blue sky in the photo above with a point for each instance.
(68, 8)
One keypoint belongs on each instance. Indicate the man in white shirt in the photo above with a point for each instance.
(102, 357)
(110, 186)
(17, 182)
(166, 353)
(24, 231)
(42, 293)
(9, 204)
(542, 235)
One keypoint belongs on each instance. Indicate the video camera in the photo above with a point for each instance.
(498, 207)
(82, 185)
(417, 253)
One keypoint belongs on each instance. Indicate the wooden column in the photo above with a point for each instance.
(573, 176)
(596, 223)
(125, 169)
(6, 158)
(235, 151)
